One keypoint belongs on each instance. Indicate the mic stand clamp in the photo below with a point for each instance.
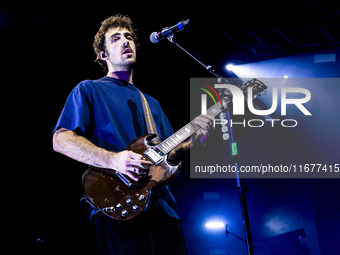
(234, 152)
(171, 38)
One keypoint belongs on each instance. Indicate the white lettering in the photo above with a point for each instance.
(262, 112)
(298, 101)
(292, 120)
(238, 98)
(258, 120)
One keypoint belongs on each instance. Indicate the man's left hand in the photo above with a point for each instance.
(200, 137)
(205, 122)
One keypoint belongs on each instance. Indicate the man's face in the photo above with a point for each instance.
(120, 48)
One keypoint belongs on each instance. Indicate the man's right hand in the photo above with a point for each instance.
(130, 163)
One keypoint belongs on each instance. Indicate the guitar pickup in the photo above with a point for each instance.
(154, 156)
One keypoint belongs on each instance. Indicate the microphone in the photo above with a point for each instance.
(167, 32)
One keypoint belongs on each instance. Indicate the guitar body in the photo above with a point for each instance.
(108, 190)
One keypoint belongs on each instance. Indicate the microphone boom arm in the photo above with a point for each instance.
(172, 39)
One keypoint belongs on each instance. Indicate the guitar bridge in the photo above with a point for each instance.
(154, 155)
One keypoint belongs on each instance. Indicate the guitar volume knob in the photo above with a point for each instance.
(128, 202)
(119, 206)
(135, 208)
(124, 213)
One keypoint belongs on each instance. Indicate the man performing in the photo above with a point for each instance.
(100, 118)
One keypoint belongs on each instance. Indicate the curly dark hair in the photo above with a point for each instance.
(117, 20)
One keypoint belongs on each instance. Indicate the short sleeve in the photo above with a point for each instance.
(76, 113)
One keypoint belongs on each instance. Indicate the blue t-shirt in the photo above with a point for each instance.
(109, 113)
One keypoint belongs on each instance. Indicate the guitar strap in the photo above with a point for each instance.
(150, 123)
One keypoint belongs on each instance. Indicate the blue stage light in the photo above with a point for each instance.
(229, 67)
(215, 225)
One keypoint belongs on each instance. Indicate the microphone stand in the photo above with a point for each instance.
(234, 153)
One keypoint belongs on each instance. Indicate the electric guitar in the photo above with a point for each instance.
(121, 198)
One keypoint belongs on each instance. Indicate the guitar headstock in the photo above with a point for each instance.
(258, 87)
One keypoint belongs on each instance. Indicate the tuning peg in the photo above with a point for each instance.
(264, 92)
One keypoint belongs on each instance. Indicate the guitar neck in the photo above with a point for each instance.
(185, 132)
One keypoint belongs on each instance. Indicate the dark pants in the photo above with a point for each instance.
(150, 233)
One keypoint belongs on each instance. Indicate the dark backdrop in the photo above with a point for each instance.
(47, 50)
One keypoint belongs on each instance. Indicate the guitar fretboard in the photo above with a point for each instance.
(185, 132)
